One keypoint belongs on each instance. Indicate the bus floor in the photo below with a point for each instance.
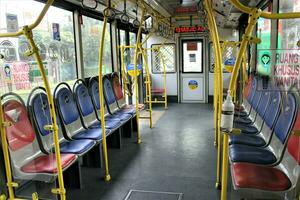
(177, 155)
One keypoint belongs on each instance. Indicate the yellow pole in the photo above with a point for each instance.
(136, 53)
(34, 51)
(253, 17)
(27, 32)
(165, 82)
(107, 176)
(219, 71)
(148, 86)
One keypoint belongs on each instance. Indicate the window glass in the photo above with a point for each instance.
(54, 38)
(122, 37)
(264, 32)
(91, 33)
(288, 29)
(132, 41)
(166, 54)
(192, 56)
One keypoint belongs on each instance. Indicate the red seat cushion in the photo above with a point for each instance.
(158, 90)
(47, 163)
(246, 175)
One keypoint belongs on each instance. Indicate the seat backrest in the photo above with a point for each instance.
(94, 93)
(248, 88)
(286, 118)
(40, 112)
(84, 103)
(67, 110)
(264, 102)
(273, 109)
(252, 90)
(118, 89)
(291, 159)
(256, 99)
(109, 95)
(20, 135)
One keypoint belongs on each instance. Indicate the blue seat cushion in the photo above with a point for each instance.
(243, 120)
(109, 124)
(76, 146)
(93, 134)
(251, 140)
(251, 154)
(246, 128)
(122, 116)
(240, 113)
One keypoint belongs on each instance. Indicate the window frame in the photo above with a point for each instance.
(202, 56)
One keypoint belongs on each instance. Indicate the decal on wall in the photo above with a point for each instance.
(193, 84)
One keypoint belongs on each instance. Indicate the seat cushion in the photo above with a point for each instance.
(158, 90)
(240, 113)
(242, 120)
(131, 111)
(251, 140)
(122, 116)
(76, 146)
(251, 154)
(246, 175)
(141, 106)
(92, 134)
(47, 163)
(247, 129)
(112, 124)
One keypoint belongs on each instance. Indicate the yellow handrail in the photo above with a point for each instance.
(267, 15)
(218, 81)
(27, 32)
(107, 176)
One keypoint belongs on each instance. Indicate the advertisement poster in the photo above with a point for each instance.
(56, 32)
(12, 23)
(20, 75)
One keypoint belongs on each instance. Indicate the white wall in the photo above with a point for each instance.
(157, 79)
(225, 34)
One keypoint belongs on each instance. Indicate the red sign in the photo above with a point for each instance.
(190, 29)
(186, 9)
(192, 46)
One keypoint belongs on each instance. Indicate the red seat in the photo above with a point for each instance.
(141, 106)
(47, 163)
(158, 90)
(246, 175)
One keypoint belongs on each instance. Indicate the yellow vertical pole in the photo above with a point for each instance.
(165, 80)
(10, 184)
(136, 53)
(148, 86)
(104, 145)
(253, 17)
(34, 51)
(219, 80)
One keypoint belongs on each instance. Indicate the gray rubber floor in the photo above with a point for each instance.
(177, 155)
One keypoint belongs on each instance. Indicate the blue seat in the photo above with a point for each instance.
(250, 140)
(111, 102)
(70, 116)
(270, 117)
(254, 104)
(40, 112)
(282, 129)
(76, 146)
(250, 154)
(111, 121)
(87, 110)
(247, 129)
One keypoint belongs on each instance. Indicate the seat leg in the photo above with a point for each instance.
(94, 157)
(72, 176)
(127, 129)
(114, 139)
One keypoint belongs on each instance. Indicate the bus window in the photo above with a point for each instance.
(54, 37)
(91, 32)
(263, 49)
(288, 30)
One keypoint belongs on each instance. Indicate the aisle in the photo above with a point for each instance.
(177, 155)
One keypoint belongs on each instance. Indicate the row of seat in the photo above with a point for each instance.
(31, 144)
(266, 156)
